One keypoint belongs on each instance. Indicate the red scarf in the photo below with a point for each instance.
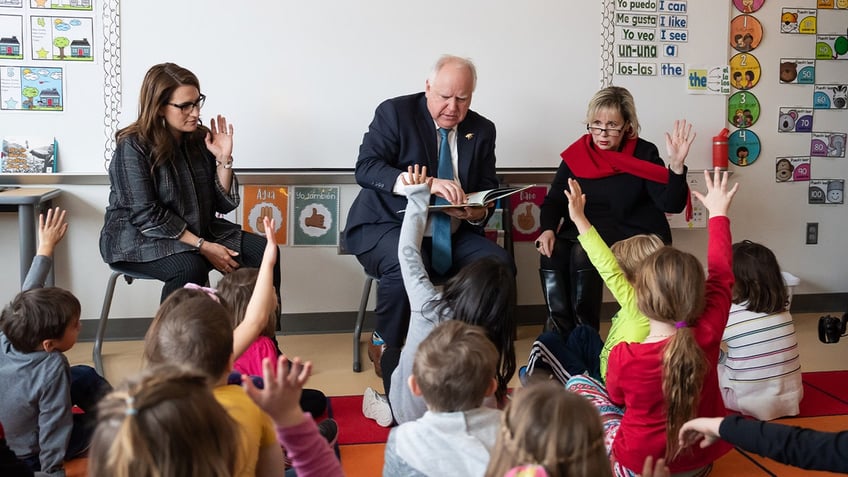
(586, 162)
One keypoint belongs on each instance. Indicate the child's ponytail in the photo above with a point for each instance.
(683, 368)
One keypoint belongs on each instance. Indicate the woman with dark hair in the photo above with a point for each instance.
(170, 176)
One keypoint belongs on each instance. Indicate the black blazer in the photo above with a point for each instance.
(403, 134)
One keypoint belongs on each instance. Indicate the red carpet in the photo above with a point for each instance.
(354, 428)
(825, 394)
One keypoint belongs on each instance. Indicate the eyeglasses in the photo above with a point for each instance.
(611, 132)
(188, 107)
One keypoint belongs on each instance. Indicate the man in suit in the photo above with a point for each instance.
(405, 132)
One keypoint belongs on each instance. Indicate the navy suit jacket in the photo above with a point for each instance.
(403, 134)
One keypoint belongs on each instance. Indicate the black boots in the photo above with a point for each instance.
(570, 306)
(560, 315)
(587, 293)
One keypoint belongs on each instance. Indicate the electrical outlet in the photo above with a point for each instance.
(812, 233)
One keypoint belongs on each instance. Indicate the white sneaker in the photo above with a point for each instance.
(375, 406)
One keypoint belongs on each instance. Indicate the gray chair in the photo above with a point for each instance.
(104, 311)
(363, 304)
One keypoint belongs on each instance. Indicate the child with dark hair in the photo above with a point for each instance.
(453, 372)
(36, 328)
(760, 375)
(482, 293)
(653, 387)
(236, 289)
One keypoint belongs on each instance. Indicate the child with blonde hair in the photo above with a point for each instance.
(553, 356)
(163, 422)
(653, 387)
(760, 375)
(559, 430)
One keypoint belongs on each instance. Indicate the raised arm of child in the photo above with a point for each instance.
(296, 431)
(51, 231)
(263, 301)
(415, 278)
(600, 255)
(719, 252)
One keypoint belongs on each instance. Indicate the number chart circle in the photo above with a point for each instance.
(744, 71)
(743, 109)
(748, 6)
(746, 33)
(743, 147)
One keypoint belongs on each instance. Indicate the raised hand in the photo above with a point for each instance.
(280, 398)
(51, 230)
(219, 141)
(416, 175)
(718, 197)
(677, 145)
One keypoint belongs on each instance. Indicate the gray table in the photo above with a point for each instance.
(25, 201)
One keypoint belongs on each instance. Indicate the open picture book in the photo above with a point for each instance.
(482, 198)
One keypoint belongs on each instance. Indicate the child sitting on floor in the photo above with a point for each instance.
(454, 371)
(40, 387)
(546, 425)
(760, 375)
(482, 293)
(164, 422)
(653, 387)
(192, 328)
(236, 289)
(551, 356)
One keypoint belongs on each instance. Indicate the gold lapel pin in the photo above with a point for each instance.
(469, 136)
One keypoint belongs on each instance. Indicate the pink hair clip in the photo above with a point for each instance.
(213, 293)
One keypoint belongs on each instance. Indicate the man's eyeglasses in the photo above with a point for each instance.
(612, 132)
(189, 106)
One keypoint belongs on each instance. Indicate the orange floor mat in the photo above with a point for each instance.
(362, 460)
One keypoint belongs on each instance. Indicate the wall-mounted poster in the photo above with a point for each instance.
(792, 169)
(797, 71)
(526, 209)
(831, 47)
(830, 96)
(746, 33)
(315, 216)
(743, 109)
(744, 71)
(743, 147)
(827, 144)
(31, 88)
(798, 20)
(826, 191)
(795, 120)
(748, 6)
(263, 201)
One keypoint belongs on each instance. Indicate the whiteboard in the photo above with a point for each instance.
(300, 80)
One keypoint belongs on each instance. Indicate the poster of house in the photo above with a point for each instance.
(11, 33)
(31, 88)
(62, 38)
(260, 201)
(315, 216)
(81, 5)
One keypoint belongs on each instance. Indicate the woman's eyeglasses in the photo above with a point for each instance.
(188, 107)
(612, 132)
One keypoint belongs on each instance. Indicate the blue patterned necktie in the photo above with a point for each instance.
(442, 254)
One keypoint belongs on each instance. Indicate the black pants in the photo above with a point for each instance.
(192, 267)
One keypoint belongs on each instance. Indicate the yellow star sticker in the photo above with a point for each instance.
(42, 53)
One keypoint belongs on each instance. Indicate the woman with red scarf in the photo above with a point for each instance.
(628, 189)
